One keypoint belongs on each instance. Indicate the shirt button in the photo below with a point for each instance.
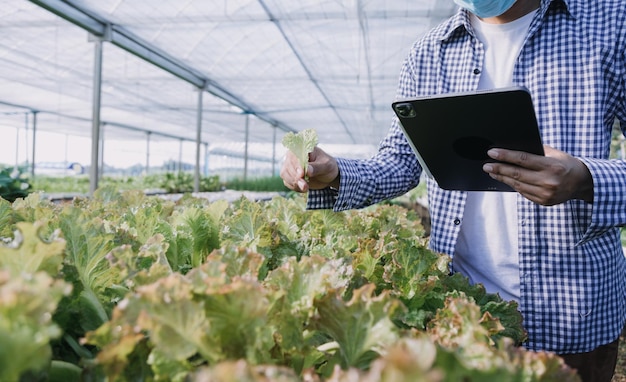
(477, 71)
(457, 221)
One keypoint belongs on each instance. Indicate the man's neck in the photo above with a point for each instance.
(519, 9)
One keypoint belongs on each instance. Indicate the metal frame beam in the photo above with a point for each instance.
(114, 124)
(126, 40)
(305, 67)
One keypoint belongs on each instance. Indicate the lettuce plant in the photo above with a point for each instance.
(123, 286)
(301, 144)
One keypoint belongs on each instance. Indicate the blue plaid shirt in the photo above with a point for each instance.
(572, 267)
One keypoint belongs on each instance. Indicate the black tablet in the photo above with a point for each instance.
(451, 133)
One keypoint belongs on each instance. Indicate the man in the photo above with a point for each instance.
(554, 244)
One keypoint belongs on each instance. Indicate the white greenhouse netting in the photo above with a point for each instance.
(262, 68)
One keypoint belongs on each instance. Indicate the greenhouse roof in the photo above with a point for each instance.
(322, 64)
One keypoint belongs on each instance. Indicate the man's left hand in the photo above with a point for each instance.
(547, 180)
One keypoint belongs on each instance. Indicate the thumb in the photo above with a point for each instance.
(310, 170)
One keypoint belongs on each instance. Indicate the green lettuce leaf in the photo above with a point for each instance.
(238, 315)
(28, 253)
(247, 226)
(35, 207)
(242, 371)
(165, 317)
(27, 303)
(506, 311)
(200, 229)
(6, 218)
(301, 144)
(88, 269)
(362, 327)
(176, 321)
(299, 284)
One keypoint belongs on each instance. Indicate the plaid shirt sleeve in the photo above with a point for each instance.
(392, 172)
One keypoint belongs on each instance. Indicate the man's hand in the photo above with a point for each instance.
(322, 172)
(547, 180)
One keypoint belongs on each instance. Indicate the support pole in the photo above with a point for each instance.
(206, 159)
(274, 152)
(17, 148)
(196, 180)
(180, 156)
(32, 169)
(148, 135)
(94, 172)
(101, 154)
(65, 148)
(245, 154)
(27, 159)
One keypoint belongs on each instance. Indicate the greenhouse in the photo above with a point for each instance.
(131, 85)
(148, 234)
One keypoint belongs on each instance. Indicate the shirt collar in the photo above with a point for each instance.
(461, 18)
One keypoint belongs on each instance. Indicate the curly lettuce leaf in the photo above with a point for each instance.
(26, 327)
(301, 144)
(240, 370)
(28, 253)
(506, 311)
(6, 218)
(35, 207)
(466, 349)
(407, 360)
(200, 231)
(247, 226)
(361, 328)
(239, 317)
(88, 269)
(298, 284)
(176, 322)
(162, 316)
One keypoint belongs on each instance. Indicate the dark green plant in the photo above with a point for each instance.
(210, 183)
(174, 183)
(13, 184)
(182, 182)
(273, 183)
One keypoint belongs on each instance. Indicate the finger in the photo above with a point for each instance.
(293, 177)
(519, 158)
(298, 185)
(533, 186)
(310, 171)
(512, 175)
(302, 185)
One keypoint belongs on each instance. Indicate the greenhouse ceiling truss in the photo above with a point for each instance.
(323, 64)
(105, 31)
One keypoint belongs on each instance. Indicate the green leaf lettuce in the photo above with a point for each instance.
(301, 144)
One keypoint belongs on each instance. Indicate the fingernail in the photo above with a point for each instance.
(494, 153)
(487, 168)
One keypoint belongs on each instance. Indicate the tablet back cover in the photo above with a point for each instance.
(451, 133)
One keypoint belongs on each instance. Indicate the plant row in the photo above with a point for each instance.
(129, 287)
(15, 183)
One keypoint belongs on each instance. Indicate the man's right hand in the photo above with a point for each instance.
(322, 172)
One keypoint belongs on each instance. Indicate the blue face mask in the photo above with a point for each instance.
(486, 8)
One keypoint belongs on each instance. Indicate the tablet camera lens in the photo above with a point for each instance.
(405, 110)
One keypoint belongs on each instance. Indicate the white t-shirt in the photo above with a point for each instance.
(487, 248)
